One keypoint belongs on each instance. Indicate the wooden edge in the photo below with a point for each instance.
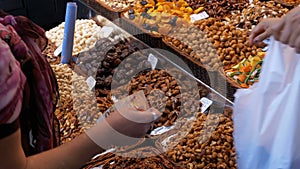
(184, 54)
(117, 10)
(123, 16)
(232, 82)
(220, 71)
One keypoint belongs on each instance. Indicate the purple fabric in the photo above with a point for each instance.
(26, 40)
(12, 82)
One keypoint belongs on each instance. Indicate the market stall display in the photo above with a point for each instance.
(219, 44)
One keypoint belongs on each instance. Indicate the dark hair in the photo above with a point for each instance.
(3, 14)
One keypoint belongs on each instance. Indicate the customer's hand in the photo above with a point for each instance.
(285, 29)
(126, 125)
(263, 30)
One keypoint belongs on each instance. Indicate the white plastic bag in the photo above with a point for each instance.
(267, 115)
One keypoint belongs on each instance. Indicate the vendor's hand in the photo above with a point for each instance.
(288, 30)
(285, 29)
(263, 30)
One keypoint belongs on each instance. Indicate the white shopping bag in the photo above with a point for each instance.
(267, 115)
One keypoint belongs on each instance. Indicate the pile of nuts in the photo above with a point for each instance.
(208, 144)
(63, 74)
(85, 36)
(87, 106)
(219, 9)
(170, 95)
(49, 53)
(65, 113)
(77, 109)
(254, 13)
(101, 60)
(146, 158)
(118, 4)
(213, 43)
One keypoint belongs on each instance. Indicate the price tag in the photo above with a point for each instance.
(199, 16)
(153, 60)
(161, 130)
(107, 31)
(58, 50)
(206, 103)
(91, 82)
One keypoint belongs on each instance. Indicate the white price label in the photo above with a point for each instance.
(58, 50)
(153, 60)
(107, 31)
(91, 82)
(161, 130)
(199, 16)
(206, 103)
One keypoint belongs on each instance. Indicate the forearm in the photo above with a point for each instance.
(71, 155)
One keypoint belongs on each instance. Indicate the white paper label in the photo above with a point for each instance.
(199, 16)
(206, 103)
(107, 31)
(91, 82)
(105, 152)
(161, 130)
(58, 50)
(153, 60)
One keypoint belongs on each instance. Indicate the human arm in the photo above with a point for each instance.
(112, 131)
(285, 29)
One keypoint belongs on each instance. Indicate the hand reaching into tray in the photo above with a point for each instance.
(284, 29)
(128, 122)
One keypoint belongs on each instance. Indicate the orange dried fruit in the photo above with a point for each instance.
(198, 10)
(149, 6)
(160, 8)
(189, 10)
(167, 8)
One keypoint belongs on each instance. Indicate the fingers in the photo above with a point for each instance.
(259, 29)
(295, 32)
(263, 36)
(263, 30)
(297, 45)
(136, 116)
(286, 31)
